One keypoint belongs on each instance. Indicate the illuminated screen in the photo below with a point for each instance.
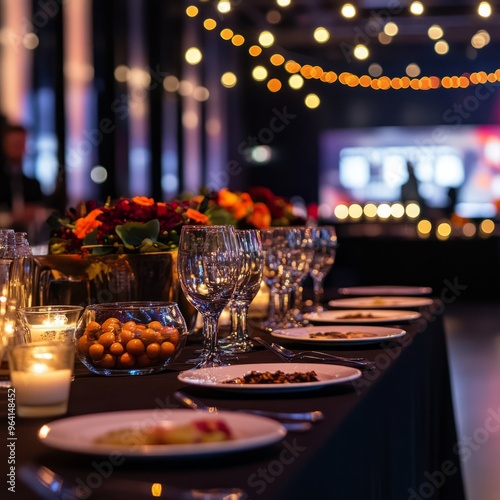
(363, 165)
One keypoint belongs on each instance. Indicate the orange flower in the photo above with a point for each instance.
(227, 199)
(143, 201)
(196, 216)
(87, 224)
(261, 216)
(244, 206)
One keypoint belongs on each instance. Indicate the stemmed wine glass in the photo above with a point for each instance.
(249, 280)
(208, 267)
(284, 263)
(325, 248)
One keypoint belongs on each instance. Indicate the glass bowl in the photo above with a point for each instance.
(130, 338)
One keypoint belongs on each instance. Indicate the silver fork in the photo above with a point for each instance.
(289, 356)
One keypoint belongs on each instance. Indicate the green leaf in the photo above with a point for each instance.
(220, 216)
(91, 238)
(134, 233)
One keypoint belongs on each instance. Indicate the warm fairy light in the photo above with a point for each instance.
(361, 52)
(348, 10)
(238, 40)
(255, 50)
(441, 47)
(341, 212)
(185, 88)
(424, 227)
(397, 210)
(321, 35)
(259, 73)
(480, 39)
(355, 211)
(443, 231)
(384, 211)
(469, 229)
(228, 79)
(192, 11)
(224, 6)
(171, 83)
(274, 85)
(266, 39)
(121, 73)
(375, 70)
(156, 489)
(292, 66)
(391, 29)
(384, 39)
(412, 210)
(417, 8)
(370, 210)
(226, 34)
(201, 94)
(190, 119)
(435, 32)
(209, 24)
(484, 9)
(193, 55)
(487, 226)
(296, 82)
(30, 41)
(277, 59)
(273, 16)
(412, 70)
(312, 101)
(283, 3)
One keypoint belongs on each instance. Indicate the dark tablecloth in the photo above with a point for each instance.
(388, 435)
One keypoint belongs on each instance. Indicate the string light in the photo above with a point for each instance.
(375, 79)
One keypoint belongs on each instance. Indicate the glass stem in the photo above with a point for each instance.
(210, 342)
(239, 329)
(318, 289)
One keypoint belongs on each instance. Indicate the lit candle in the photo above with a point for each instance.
(54, 329)
(41, 376)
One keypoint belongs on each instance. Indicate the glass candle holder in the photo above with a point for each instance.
(41, 374)
(50, 323)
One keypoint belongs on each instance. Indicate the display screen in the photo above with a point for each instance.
(370, 165)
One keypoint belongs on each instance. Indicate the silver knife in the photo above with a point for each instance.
(196, 404)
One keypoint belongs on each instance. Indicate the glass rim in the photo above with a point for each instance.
(137, 304)
(50, 309)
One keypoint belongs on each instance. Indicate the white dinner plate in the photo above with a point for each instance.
(214, 378)
(77, 434)
(307, 334)
(365, 316)
(383, 302)
(385, 290)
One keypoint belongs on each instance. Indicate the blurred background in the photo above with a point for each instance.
(321, 102)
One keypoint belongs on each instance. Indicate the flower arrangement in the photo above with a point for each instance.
(140, 224)
(135, 225)
(258, 208)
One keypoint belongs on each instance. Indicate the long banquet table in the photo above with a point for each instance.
(388, 435)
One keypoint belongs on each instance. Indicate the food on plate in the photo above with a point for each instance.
(197, 431)
(277, 377)
(113, 344)
(341, 335)
(357, 316)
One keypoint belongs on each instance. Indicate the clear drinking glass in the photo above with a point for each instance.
(249, 280)
(284, 261)
(208, 266)
(325, 248)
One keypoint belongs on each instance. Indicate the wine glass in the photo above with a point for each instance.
(208, 266)
(325, 248)
(249, 280)
(284, 261)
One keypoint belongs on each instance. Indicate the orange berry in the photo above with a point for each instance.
(96, 351)
(167, 349)
(135, 347)
(116, 348)
(106, 339)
